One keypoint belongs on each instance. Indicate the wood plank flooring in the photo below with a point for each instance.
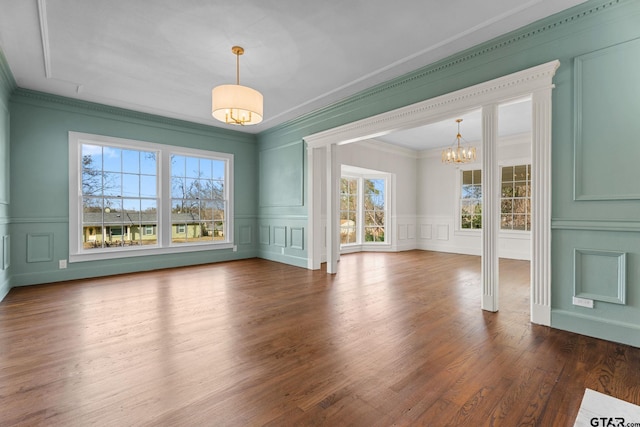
(392, 339)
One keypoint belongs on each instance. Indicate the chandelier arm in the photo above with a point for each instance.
(459, 153)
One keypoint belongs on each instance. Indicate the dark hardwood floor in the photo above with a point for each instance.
(392, 339)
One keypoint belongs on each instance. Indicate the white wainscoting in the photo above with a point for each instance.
(439, 233)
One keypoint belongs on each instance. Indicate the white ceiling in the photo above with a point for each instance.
(164, 56)
(514, 118)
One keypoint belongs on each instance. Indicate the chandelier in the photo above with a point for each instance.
(459, 153)
(236, 104)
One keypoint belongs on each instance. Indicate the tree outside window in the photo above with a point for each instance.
(515, 198)
(197, 199)
(374, 210)
(471, 200)
(130, 196)
(348, 210)
(119, 196)
(362, 210)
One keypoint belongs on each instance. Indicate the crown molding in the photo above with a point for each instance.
(531, 31)
(33, 97)
(527, 81)
(7, 81)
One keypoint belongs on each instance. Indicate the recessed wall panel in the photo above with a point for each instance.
(6, 252)
(607, 101)
(281, 179)
(4, 156)
(600, 275)
(297, 238)
(280, 236)
(39, 247)
(265, 235)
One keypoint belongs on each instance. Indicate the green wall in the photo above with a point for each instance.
(592, 108)
(39, 183)
(7, 84)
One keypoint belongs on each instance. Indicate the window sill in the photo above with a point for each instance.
(132, 251)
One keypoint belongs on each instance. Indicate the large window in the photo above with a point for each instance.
(363, 210)
(136, 196)
(348, 210)
(197, 199)
(374, 209)
(515, 199)
(119, 196)
(471, 200)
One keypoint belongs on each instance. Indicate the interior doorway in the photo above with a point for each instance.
(535, 82)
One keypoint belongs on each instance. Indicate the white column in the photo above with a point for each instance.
(541, 208)
(490, 207)
(333, 242)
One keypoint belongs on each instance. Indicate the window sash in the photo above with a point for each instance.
(470, 200)
(515, 200)
(162, 198)
(364, 213)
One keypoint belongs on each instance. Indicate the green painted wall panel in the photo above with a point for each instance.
(281, 176)
(605, 120)
(7, 85)
(39, 183)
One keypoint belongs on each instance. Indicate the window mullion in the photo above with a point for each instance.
(164, 200)
(360, 210)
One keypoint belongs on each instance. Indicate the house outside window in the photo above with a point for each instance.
(119, 193)
(127, 195)
(197, 199)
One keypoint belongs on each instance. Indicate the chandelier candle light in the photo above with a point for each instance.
(458, 153)
(236, 104)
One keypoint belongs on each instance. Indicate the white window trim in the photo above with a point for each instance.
(360, 244)
(514, 234)
(164, 246)
(458, 230)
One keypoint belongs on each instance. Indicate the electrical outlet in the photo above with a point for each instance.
(235, 248)
(583, 302)
(62, 263)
